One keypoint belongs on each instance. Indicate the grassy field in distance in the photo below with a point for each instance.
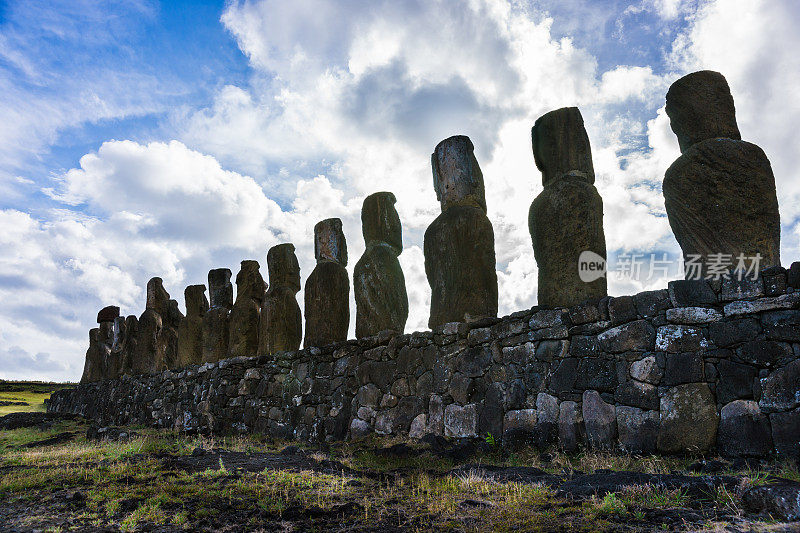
(26, 396)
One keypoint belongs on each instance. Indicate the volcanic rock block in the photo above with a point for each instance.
(108, 314)
(566, 218)
(216, 320)
(700, 107)
(327, 291)
(459, 244)
(378, 281)
(190, 331)
(281, 322)
(689, 419)
(250, 289)
(744, 430)
(720, 193)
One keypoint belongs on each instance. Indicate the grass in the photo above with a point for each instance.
(30, 395)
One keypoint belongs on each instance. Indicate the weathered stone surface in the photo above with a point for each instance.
(786, 433)
(281, 322)
(782, 325)
(735, 381)
(720, 199)
(693, 315)
(220, 288)
(743, 430)
(636, 394)
(780, 391)
(571, 430)
(565, 220)
(732, 332)
(764, 353)
(93, 367)
(691, 293)
(461, 421)
(646, 370)
(560, 145)
(675, 338)
(683, 368)
(215, 334)
(378, 281)
(638, 429)
(519, 426)
(547, 412)
(546, 318)
(793, 275)
(149, 355)
(327, 292)
(621, 309)
(190, 331)
(600, 420)
(745, 307)
(688, 419)
(650, 303)
(244, 317)
(459, 244)
(637, 336)
(774, 279)
(779, 500)
(738, 287)
(700, 107)
(107, 314)
(157, 296)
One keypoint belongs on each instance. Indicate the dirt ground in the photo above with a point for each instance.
(61, 474)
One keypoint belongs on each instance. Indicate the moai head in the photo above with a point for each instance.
(561, 145)
(249, 283)
(157, 296)
(380, 222)
(196, 301)
(108, 314)
(329, 242)
(220, 288)
(284, 270)
(700, 107)
(174, 315)
(457, 177)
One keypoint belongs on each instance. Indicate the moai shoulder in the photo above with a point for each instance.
(378, 281)
(215, 321)
(566, 219)
(459, 244)
(250, 290)
(327, 294)
(720, 193)
(280, 324)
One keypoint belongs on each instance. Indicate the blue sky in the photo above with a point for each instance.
(146, 138)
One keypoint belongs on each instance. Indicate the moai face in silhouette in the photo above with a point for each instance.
(379, 284)
(459, 244)
(250, 289)
(280, 325)
(190, 332)
(216, 320)
(93, 366)
(327, 291)
(720, 193)
(157, 296)
(566, 218)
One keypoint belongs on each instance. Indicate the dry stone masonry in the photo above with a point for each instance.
(706, 364)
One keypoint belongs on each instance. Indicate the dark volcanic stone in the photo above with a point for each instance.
(621, 310)
(729, 333)
(688, 419)
(786, 434)
(215, 334)
(691, 293)
(565, 220)
(650, 303)
(779, 390)
(683, 368)
(774, 280)
(735, 381)
(720, 198)
(793, 275)
(564, 375)
(327, 294)
(107, 314)
(603, 482)
(782, 325)
(250, 289)
(636, 394)
(560, 145)
(700, 107)
(220, 288)
(281, 322)
(378, 281)
(743, 430)
(633, 336)
(764, 353)
(780, 500)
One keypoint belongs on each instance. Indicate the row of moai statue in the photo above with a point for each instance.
(719, 194)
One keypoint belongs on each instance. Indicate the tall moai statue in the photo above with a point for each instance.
(720, 193)
(93, 366)
(327, 294)
(378, 281)
(216, 320)
(129, 348)
(168, 339)
(190, 332)
(250, 290)
(459, 244)
(107, 338)
(566, 218)
(281, 322)
(156, 332)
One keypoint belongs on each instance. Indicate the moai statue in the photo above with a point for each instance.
(250, 289)
(93, 367)
(129, 348)
(459, 244)
(566, 218)
(378, 282)
(146, 357)
(156, 346)
(327, 291)
(110, 360)
(281, 323)
(190, 332)
(720, 193)
(216, 320)
(168, 339)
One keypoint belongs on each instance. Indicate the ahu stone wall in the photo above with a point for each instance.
(699, 366)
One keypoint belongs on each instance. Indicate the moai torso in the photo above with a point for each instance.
(156, 335)
(378, 282)
(327, 291)
(459, 244)
(93, 366)
(281, 323)
(250, 289)
(215, 321)
(720, 193)
(190, 331)
(566, 218)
